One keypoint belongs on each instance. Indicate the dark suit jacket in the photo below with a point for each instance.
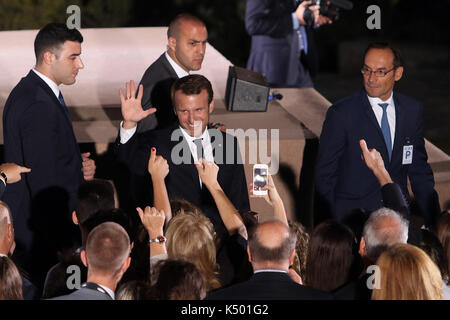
(183, 180)
(39, 135)
(85, 294)
(344, 182)
(2, 189)
(157, 81)
(275, 45)
(269, 286)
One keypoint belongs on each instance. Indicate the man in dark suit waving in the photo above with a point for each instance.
(183, 144)
(389, 122)
(38, 134)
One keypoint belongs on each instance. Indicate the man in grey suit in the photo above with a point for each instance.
(187, 38)
(107, 257)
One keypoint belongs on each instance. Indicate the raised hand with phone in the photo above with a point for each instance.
(267, 191)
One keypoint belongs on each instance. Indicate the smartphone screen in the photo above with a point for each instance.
(260, 178)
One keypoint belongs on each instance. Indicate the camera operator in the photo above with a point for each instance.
(282, 41)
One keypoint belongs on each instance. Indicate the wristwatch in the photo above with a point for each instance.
(158, 239)
(3, 176)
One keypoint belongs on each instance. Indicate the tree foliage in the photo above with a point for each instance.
(33, 14)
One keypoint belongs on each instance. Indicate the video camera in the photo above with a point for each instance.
(328, 8)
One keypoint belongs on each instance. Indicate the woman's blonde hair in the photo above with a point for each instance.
(407, 273)
(10, 280)
(190, 237)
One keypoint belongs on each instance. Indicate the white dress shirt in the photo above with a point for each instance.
(49, 82)
(126, 135)
(390, 110)
(206, 143)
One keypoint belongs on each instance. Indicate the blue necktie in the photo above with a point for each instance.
(386, 129)
(63, 104)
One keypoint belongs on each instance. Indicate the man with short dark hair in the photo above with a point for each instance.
(93, 197)
(107, 257)
(183, 144)
(271, 250)
(389, 122)
(38, 134)
(187, 38)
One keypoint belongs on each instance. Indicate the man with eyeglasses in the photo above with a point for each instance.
(389, 122)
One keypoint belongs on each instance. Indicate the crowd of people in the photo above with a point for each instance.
(64, 236)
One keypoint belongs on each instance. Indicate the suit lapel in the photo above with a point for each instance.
(400, 117)
(373, 120)
(52, 96)
(168, 67)
(34, 77)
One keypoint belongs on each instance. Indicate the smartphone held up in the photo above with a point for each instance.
(260, 179)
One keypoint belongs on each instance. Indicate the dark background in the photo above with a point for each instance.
(420, 28)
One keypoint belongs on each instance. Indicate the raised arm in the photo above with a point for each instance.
(391, 192)
(273, 199)
(159, 169)
(153, 221)
(375, 162)
(230, 216)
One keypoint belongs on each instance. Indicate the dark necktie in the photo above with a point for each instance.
(385, 129)
(198, 144)
(63, 104)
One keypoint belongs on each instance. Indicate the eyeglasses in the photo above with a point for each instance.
(377, 73)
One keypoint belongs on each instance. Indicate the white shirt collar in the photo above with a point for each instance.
(109, 291)
(3, 255)
(178, 70)
(188, 137)
(269, 270)
(376, 101)
(49, 82)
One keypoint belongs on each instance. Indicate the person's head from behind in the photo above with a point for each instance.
(443, 234)
(183, 206)
(190, 237)
(131, 290)
(384, 227)
(176, 280)
(118, 216)
(383, 66)
(271, 245)
(193, 102)
(407, 273)
(431, 245)
(92, 196)
(187, 38)
(7, 243)
(10, 280)
(107, 252)
(331, 256)
(58, 49)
